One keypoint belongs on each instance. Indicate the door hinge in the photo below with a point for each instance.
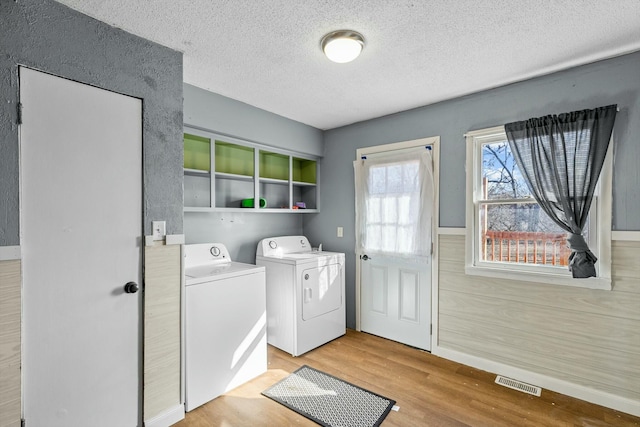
(431, 329)
(19, 120)
(23, 423)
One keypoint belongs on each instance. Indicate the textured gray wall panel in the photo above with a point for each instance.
(50, 37)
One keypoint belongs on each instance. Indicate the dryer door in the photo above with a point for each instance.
(321, 290)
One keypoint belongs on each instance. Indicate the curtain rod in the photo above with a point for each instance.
(428, 147)
(617, 110)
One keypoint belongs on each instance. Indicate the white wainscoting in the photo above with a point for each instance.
(580, 342)
(10, 326)
(163, 400)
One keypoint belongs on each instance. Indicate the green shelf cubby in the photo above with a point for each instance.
(197, 152)
(234, 159)
(274, 165)
(304, 170)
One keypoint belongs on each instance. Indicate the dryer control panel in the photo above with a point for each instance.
(278, 246)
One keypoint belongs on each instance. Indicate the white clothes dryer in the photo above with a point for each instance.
(225, 323)
(305, 293)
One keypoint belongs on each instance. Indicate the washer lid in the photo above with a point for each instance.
(306, 255)
(204, 273)
(314, 258)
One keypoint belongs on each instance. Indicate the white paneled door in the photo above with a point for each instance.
(394, 223)
(396, 300)
(81, 227)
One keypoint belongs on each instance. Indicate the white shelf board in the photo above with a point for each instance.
(233, 176)
(250, 210)
(197, 172)
(274, 181)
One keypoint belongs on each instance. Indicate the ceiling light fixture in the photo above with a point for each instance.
(342, 46)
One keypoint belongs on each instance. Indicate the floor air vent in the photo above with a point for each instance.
(518, 385)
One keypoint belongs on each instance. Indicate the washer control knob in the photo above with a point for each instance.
(215, 251)
(306, 277)
(273, 244)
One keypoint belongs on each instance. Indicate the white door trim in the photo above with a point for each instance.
(434, 142)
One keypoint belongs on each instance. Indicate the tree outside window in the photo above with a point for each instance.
(513, 227)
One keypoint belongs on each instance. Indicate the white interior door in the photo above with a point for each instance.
(395, 201)
(81, 223)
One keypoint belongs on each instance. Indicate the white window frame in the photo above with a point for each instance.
(599, 231)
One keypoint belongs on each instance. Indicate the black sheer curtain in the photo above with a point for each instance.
(560, 157)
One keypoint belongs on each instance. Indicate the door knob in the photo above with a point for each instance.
(364, 257)
(131, 288)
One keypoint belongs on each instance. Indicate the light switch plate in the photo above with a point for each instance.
(159, 229)
(340, 231)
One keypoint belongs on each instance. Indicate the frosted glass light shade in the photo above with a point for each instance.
(342, 46)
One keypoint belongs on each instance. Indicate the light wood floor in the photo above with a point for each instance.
(429, 390)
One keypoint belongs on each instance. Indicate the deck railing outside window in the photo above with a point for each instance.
(525, 247)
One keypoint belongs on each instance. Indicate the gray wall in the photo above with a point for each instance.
(217, 113)
(241, 232)
(50, 37)
(614, 81)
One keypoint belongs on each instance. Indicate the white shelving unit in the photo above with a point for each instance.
(220, 172)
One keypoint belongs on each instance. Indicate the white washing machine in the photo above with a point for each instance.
(305, 294)
(225, 323)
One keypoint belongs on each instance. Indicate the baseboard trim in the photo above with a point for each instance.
(167, 418)
(609, 400)
(9, 253)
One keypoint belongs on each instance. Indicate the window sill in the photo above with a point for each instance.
(602, 283)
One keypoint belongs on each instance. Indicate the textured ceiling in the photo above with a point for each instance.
(267, 52)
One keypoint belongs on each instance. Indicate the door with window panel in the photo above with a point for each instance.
(394, 193)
